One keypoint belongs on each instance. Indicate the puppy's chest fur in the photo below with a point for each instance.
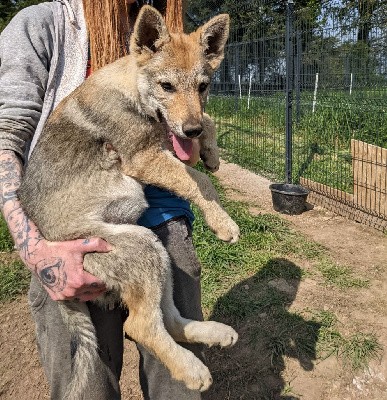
(76, 167)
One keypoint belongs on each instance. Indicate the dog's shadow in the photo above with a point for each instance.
(258, 308)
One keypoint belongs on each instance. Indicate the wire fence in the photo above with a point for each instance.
(302, 97)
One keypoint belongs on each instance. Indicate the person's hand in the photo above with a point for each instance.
(59, 266)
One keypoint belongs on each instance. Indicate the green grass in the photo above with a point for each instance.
(359, 349)
(6, 242)
(355, 351)
(14, 278)
(340, 276)
(252, 284)
(254, 137)
(226, 265)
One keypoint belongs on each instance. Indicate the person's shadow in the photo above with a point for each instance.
(258, 308)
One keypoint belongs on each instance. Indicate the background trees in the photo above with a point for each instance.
(342, 36)
(8, 8)
(340, 39)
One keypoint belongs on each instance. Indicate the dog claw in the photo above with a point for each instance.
(206, 386)
(212, 168)
(230, 337)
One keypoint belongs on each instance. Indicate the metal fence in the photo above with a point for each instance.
(302, 97)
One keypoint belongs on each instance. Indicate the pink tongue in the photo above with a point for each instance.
(182, 147)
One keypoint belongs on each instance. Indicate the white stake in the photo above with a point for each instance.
(350, 85)
(315, 93)
(240, 86)
(248, 97)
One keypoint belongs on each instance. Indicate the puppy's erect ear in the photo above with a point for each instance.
(213, 37)
(150, 32)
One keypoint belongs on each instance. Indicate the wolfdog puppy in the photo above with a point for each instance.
(84, 178)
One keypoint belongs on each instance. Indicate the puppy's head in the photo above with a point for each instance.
(174, 72)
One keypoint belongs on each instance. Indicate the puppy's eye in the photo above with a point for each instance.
(203, 87)
(167, 87)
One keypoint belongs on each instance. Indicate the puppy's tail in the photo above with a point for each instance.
(84, 346)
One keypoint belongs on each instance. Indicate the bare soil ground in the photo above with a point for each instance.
(243, 372)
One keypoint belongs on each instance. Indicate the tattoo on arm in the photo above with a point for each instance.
(51, 273)
(24, 232)
(10, 176)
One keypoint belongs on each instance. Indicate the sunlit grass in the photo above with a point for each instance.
(254, 280)
(14, 280)
(254, 136)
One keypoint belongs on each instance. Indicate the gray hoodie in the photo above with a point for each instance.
(43, 57)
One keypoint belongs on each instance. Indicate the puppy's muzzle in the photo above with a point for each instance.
(192, 131)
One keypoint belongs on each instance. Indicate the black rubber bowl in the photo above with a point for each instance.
(289, 198)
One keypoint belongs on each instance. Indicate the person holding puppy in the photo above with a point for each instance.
(46, 51)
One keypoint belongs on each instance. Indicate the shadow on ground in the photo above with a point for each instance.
(258, 308)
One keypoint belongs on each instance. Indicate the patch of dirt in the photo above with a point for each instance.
(22, 377)
(245, 371)
(348, 243)
(21, 374)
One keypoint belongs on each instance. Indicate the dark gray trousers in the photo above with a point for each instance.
(54, 340)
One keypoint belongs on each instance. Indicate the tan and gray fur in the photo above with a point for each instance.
(85, 178)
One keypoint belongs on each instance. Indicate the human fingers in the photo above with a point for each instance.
(88, 296)
(91, 282)
(76, 296)
(90, 245)
(90, 288)
(77, 283)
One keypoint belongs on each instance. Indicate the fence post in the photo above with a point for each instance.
(236, 73)
(289, 90)
(297, 74)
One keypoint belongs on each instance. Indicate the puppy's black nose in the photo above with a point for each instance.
(192, 131)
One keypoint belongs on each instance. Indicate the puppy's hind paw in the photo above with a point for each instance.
(193, 373)
(227, 336)
(221, 335)
(211, 333)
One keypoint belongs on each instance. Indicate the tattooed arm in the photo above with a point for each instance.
(58, 265)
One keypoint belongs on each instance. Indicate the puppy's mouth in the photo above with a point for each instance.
(183, 147)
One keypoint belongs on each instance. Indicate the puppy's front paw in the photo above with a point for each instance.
(211, 162)
(228, 231)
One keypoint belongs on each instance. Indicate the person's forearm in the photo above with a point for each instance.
(58, 265)
(23, 231)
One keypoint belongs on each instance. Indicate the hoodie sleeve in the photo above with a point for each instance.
(26, 46)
